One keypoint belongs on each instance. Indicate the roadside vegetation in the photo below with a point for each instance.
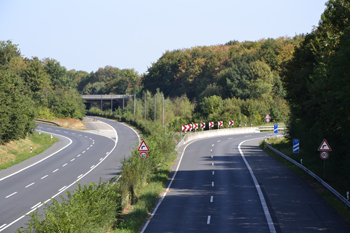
(16, 151)
(301, 81)
(314, 164)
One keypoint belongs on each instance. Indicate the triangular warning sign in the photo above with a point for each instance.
(324, 146)
(143, 146)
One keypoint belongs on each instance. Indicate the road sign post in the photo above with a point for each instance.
(143, 155)
(202, 126)
(267, 117)
(143, 147)
(324, 148)
(220, 123)
(295, 145)
(211, 125)
(230, 123)
(195, 127)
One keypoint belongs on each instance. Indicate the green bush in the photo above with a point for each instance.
(90, 208)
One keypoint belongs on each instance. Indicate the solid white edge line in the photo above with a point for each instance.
(11, 195)
(2, 226)
(258, 189)
(208, 220)
(74, 183)
(36, 205)
(41, 159)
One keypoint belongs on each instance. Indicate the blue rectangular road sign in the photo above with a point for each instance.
(295, 145)
(275, 128)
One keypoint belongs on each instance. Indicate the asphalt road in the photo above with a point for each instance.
(78, 157)
(214, 191)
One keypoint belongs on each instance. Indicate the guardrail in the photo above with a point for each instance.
(338, 195)
(270, 128)
(48, 122)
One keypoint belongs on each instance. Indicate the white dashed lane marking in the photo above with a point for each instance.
(55, 170)
(11, 195)
(30, 185)
(44, 177)
(64, 164)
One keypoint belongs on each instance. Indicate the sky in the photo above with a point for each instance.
(88, 35)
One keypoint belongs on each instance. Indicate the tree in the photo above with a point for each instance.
(35, 77)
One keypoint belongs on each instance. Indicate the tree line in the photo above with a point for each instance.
(31, 88)
(317, 84)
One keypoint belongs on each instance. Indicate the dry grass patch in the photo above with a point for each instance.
(71, 123)
(16, 151)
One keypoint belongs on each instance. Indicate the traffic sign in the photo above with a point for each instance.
(143, 155)
(220, 123)
(324, 155)
(189, 127)
(267, 117)
(195, 126)
(143, 147)
(184, 128)
(202, 125)
(275, 128)
(295, 145)
(324, 146)
(211, 124)
(230, 122)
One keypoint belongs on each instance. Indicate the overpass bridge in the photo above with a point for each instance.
(101, 100)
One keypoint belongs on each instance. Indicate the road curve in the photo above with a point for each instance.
(214, 191)
(88, 157)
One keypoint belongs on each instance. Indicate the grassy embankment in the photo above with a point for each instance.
(17, 151)
(285, 146)
(70, 123)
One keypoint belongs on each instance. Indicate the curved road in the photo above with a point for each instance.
(214, 191)
(79, 157)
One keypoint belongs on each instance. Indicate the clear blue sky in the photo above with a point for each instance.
(86, 35)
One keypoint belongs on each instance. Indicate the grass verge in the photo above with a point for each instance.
(283, 145)
(17, 151)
